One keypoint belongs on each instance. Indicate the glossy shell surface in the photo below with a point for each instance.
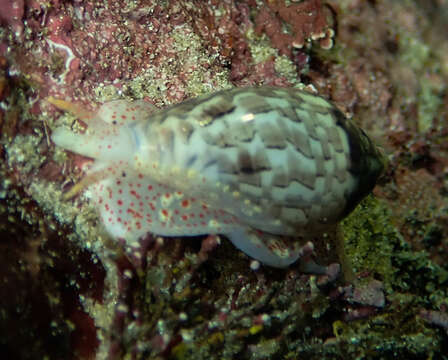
(263, 166)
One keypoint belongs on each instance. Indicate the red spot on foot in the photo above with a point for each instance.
(134, 193)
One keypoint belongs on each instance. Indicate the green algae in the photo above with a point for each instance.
(411, 280)
(430, 99)
(369, 238)
(373, 244)
(418, 56)
(262, 51)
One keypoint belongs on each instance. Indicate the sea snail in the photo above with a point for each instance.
(263, 166)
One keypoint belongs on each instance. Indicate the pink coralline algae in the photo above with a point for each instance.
(306, 20)
(75, 292)
(11, 13)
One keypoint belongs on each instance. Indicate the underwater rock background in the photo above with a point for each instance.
(68, 291)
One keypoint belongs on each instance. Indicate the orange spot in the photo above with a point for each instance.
(134, 193)
(135, 214)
